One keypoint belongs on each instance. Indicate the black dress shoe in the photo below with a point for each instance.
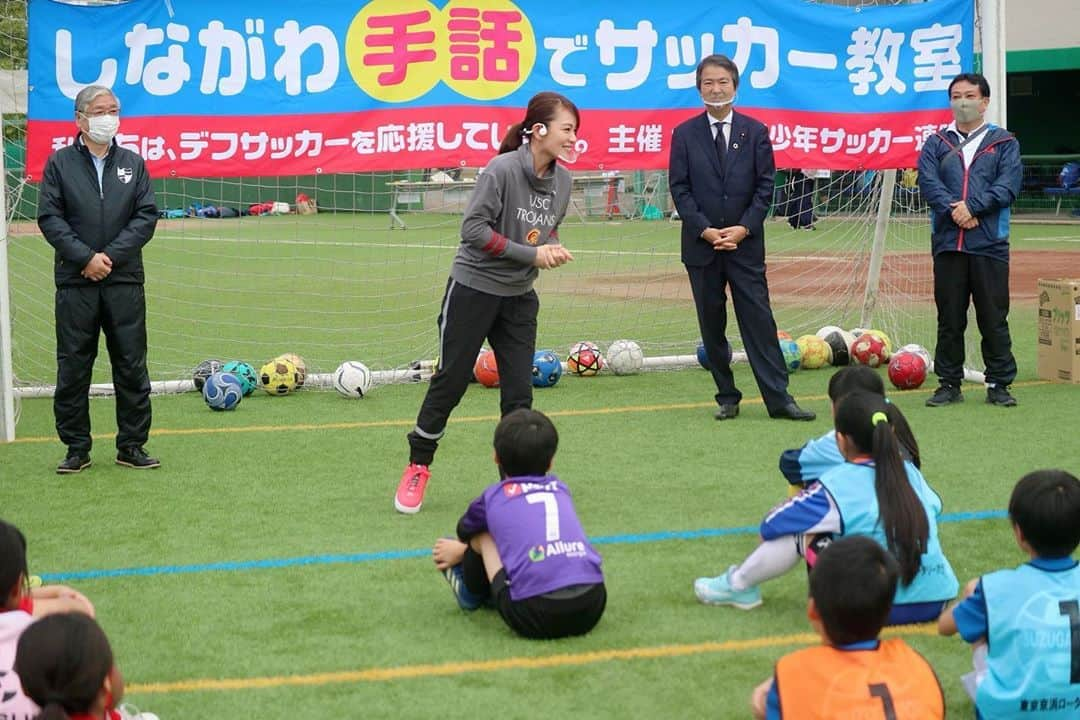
(728, 411)
(136, 457)
(73, 463)
(791, 411)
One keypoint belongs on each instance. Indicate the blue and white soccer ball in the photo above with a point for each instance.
(222, 391)
(547, 369)
(352, 379)
(245, 373)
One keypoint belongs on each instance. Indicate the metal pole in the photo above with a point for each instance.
(7, 377)
(877, 250)
(992, 13)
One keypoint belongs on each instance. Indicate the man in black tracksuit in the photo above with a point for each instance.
(97, 209)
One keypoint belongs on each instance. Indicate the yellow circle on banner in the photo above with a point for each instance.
(395, 54)
(489, 48)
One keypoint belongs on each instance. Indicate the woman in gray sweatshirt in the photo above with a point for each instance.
(509, 233)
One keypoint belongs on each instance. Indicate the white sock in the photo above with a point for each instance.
(769, 560)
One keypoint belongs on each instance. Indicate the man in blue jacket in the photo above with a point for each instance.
(970, 174)
(96, 208)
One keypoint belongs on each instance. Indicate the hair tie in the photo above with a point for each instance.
(879, 417)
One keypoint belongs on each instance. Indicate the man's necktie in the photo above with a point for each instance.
(721, 143)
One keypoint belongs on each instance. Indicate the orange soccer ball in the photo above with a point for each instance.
(486, 369)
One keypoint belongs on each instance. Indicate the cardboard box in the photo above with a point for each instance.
(1059, 330)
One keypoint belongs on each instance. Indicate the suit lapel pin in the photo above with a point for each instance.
(735, 146)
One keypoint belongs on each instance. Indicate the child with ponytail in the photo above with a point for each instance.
(875, 492)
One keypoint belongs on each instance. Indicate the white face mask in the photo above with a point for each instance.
(720, 104)
(102, 128)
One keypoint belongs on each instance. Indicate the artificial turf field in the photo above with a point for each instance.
(262, 571)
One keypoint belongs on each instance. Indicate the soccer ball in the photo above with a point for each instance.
(204, 370)
(839, 342)
(486, 369)
(299, 364)
(546, 369)
(783, 335)
(703, 357)
(625, 357)
(585, 359)
(828, 330)
(222, 391)
(884, 339)
(918, 350)
(249, 379)
(869, 349)
(352, 379)
(792, 356)
(584, 345)
(814, 352)
(907, 370)
(278, 377)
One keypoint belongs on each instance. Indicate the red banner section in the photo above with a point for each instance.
(403, 139)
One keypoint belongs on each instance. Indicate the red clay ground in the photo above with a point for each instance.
(790, 278)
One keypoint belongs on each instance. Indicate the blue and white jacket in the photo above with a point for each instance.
(988, 186)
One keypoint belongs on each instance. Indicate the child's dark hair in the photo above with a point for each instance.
(1045, 505)
(12, 559)
(853, 583)
(864, 419)
(542, 109)
(525, 443)
(62, 661)
(856, 378)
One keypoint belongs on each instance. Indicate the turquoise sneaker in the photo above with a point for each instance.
(718, 591)
(466, 599)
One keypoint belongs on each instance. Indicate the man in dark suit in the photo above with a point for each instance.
(721, 177)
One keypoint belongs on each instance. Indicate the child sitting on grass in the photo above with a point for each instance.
(1024, 622)
(520, 545)
(875, 492)
(853, 674)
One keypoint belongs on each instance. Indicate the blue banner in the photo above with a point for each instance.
(347, 74)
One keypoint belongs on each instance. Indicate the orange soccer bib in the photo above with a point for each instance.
(892, 682)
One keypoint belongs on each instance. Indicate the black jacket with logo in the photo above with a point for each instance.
(80, 218)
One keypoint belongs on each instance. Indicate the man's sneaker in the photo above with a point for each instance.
(410, 491)
(466, 599)
(999, 395)
(74, 462)
(718, 591)
(945, 395)
(136, 457)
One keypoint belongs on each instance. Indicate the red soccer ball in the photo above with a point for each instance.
(486, 369)
(585, 360)
(869, 350)
(907, 370)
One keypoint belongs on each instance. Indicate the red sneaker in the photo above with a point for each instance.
(410, 491)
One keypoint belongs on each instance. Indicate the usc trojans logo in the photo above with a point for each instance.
(533, 237)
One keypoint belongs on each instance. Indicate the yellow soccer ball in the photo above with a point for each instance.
(299, 364)
(278, 377)
(814, 351)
